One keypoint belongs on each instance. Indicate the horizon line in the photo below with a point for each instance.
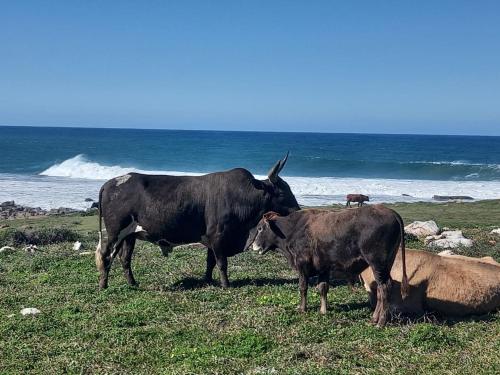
(238, 131)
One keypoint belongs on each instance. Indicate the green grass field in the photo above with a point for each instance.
(174, 324)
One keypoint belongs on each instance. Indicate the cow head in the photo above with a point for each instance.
(267, 234)
(282, 199)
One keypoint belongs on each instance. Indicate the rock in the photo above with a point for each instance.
(30, 311)
(31, 248)
(86, 253)
(11, 315)
(451, 197)
(62, 211)
(77, 245)
(495, 231)
(10, 210)
(89, 200)
(8, 204)
(95, 205)
(422, 228)
(6, 249)
(448, 239)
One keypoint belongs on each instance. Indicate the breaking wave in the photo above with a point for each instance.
(80, 167)
(308, 190)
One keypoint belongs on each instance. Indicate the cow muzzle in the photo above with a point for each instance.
(259, 249)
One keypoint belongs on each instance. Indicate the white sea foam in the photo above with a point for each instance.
(70, 182)
(79, 167)
(456, 163)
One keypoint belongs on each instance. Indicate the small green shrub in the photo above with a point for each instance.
(43, 236)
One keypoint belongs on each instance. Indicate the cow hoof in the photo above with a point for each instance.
(301, 310)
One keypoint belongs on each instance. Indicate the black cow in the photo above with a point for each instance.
(217, 209)
(317, 242)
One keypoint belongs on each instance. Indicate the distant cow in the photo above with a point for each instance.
(316, 242)
(359, 198)
(217, 209)
(451, 285)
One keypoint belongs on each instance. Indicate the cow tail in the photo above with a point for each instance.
(98, 252)
(100, 213)
(405, 287)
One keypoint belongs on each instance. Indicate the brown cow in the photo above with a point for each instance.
(449, 285)
(359, 198)
(316, 242)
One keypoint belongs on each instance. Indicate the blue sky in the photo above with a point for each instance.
(352, 66)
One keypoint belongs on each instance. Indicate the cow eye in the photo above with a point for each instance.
(259, 229)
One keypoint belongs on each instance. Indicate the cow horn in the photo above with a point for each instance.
(283, 162)
(276, 169)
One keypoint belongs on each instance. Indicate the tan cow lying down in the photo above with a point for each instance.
(450, 285)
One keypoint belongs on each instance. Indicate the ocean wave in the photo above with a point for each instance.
(53, 192)
(454, 163)
(459, 170)
(86, 177)
(80, 167)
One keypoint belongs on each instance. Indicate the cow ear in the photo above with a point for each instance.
(276, 169)
(270, 216)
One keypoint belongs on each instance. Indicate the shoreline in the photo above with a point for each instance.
(54, 192)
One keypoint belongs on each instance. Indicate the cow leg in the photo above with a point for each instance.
(323, 286)
(381, 313)
(384, 290)
(375, 300)
(103, 261)
(210, 266)
(127, 248)
(222, 265)
(303, 292)
(348, 204)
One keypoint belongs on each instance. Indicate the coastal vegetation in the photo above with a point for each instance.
(175, 324)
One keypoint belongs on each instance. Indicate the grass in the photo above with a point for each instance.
(173, 324)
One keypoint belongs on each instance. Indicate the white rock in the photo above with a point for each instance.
(11, 315)
(449, 239)
(422, 228)
(77, 245)
(30, 311)
(31, 248)
(496, 231)
(6, 249)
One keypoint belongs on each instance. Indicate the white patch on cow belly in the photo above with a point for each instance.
(122, 179)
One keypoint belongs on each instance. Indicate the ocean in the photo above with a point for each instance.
(54, 167)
